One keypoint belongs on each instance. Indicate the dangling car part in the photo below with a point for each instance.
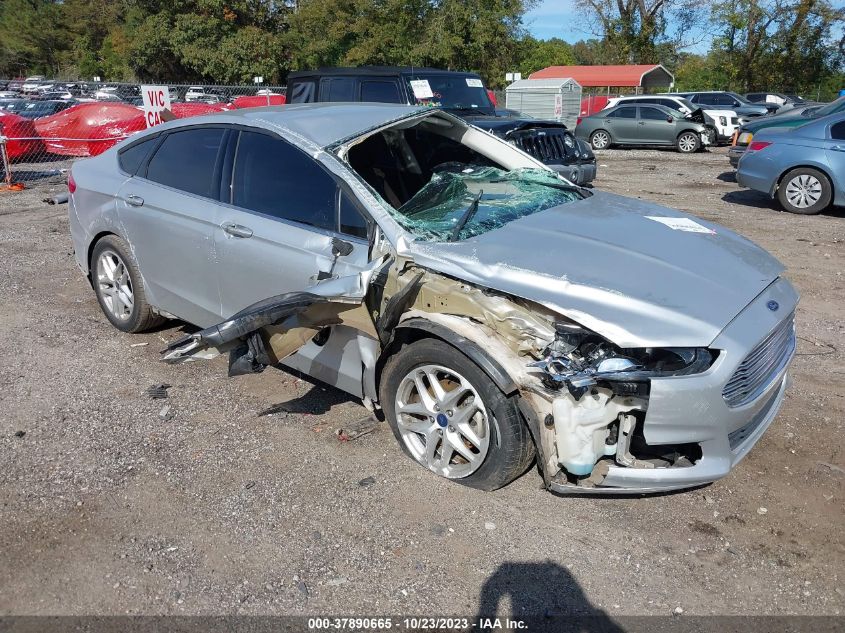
(497, 313)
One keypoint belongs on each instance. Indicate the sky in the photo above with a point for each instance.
(560, 18)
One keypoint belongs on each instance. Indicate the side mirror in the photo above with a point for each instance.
(669, 119)
(340, 248)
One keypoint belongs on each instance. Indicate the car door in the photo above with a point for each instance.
(836, 158)
(168, 210)
(655, 126)
(622, 124)
(279, 231)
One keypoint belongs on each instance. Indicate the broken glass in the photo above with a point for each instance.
(434, 212)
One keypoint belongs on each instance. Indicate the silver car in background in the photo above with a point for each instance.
(496, 313)
(804, 166)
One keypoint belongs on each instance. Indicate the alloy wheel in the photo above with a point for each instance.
(687, 143)
(600, 140)
(115, 285)
(803, 191)
(442, 421)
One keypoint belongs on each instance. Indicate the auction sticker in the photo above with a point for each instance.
(422, 89)
(682, 224)
(474, 82)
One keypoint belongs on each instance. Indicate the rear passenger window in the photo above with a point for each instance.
(625, 113)
(837, 131)
(272, 177)
(131, 158)
(380, 91)
(186, 161)
(337, 89)
(351, 220)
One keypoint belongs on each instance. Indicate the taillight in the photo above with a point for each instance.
(71, 183)
(756, 146)
(578, 121)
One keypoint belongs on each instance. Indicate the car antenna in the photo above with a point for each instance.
(467, 216)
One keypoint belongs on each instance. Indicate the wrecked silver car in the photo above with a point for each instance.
(495, 312)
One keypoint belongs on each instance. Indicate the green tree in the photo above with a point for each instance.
(539, 54)
(32, 37)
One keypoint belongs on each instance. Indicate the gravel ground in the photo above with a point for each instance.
(113, 505)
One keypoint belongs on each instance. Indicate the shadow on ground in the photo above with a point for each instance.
(749, 198)
(319, 399)
(544, 595)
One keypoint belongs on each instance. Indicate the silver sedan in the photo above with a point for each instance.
(494, 312)
(804, 167)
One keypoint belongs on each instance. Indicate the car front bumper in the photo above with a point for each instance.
(691, 409)
(579, 173)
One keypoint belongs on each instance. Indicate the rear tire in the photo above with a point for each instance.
(688, 142)
(805, 190)
(464, 428)
(119, 286)
(600, 139)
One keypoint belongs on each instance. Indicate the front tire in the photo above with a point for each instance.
(688, 142)
(600, 139)
(449, 416)
(119, 286)
(805, 190)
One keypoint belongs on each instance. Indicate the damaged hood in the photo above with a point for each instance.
(639, 274)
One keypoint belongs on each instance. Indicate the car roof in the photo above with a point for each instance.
(322, 124)
(376, 71)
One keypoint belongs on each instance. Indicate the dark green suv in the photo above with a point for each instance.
(790, 118)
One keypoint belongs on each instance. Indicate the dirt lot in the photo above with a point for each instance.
(113, 505)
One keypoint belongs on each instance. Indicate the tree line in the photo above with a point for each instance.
(796, 45)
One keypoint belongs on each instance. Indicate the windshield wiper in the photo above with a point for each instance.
(562, 186)
(466, 217)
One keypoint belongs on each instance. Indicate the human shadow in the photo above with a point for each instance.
(544, 596)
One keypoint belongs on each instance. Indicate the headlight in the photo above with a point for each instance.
(568, 140)
(579, 358)
(723, 121)
(744, 138)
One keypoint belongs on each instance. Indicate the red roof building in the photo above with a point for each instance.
(646, 76)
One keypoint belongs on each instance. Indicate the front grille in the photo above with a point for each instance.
(737, 437)
(547, 145)
(763, 363)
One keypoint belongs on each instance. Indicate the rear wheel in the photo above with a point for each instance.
(449, 416)
(805, 190)
(600, 139)
(688, 142)
(119, 287)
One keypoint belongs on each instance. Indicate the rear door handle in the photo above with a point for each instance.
(838, 148)
(236, 230)
(640, 122)
(135, 201)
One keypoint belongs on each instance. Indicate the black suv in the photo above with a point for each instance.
(459, 93)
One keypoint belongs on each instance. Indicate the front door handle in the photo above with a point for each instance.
(236, 230)
(134, 201)
(838, 148)
(640, 122)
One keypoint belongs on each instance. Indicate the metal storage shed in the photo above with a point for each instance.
(555, 99)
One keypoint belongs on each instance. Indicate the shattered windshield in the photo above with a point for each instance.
(451, 91)
(467, 201)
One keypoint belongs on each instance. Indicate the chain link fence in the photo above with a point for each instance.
(45, 125)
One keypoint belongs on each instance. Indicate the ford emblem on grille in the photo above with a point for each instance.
(773, 306)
